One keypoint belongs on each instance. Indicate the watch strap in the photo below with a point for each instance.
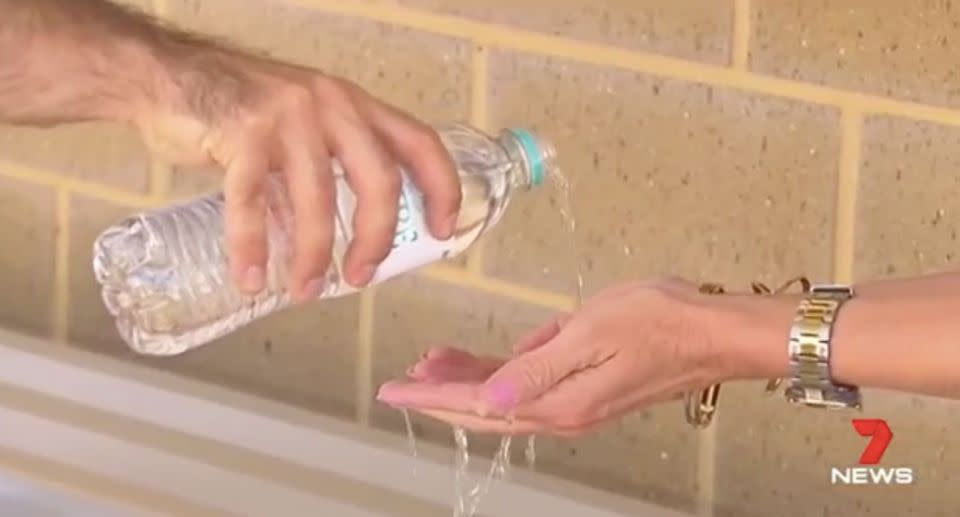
(810, 382)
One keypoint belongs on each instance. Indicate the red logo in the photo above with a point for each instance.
(880, 436)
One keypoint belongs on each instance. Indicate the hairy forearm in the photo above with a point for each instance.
(75, 60)
(895, 334)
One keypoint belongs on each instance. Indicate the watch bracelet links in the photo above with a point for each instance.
(810, 381)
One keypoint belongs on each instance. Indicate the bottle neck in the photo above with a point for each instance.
(532, 158)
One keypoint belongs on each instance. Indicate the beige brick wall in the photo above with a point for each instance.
(728, 140)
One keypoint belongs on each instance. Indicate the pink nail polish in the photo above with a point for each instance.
(503, 396)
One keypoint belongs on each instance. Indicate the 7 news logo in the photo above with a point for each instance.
(880, 437)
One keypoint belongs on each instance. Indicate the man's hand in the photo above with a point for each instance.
(197, 102)
(628, 347)
(253, 116)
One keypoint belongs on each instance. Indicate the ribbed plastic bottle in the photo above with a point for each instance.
(164, 274)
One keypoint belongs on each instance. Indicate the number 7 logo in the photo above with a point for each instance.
(880, 436)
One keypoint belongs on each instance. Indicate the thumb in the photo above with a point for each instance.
(529, 375)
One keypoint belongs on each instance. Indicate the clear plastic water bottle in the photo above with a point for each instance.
(164, 274)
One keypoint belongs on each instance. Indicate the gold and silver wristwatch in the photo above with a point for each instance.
(810, 383)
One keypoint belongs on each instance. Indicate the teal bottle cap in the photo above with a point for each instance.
(535, 153)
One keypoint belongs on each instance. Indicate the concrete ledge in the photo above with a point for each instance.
(147, 442)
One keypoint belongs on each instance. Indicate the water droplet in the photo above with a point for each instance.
(842, 51)
(664, 455)
(686, 114)
(803, 43)
(627, 251)
(813, 151)
(768, 202)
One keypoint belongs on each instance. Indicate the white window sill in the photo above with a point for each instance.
(143, 442)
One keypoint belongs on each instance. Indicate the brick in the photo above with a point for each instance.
(907, 206)
(898, 49)
(28, 216)
(686, 29)
(96, 152)
(668, 178)
(773, 459)
(303, 356)
(648, 454)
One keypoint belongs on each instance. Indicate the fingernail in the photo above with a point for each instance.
(417, 372)
(313, 289)
(502, 396)
(363, 274)
(253, 279)
(450, 225)
(384, 395)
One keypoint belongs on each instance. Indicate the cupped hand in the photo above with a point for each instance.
(252, 116)
(628, 347)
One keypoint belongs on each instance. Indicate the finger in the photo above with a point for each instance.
(465, 370)
(311, 190)
(245, 216)
(520, 380)
(375, 180)
(480, 424)
(583, 398)
(435, 353)
(445, 352)
(541, 335)
(460, 397)
(526, 377)
(426, 159)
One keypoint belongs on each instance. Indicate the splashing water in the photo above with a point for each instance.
(563, 188)
(530, 453)
(411, 438)
(468, 499)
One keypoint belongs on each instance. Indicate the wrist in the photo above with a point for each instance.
(750, 334)
(127, 77)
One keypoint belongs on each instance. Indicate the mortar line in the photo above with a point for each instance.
(459, 277)
(846, 200)
(56, 181)
(61, 272)
(479, 118)
(707, 468)
(740, 44)
(624, 59)
(364, 357)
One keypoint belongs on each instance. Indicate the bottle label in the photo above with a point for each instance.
(413, 244)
